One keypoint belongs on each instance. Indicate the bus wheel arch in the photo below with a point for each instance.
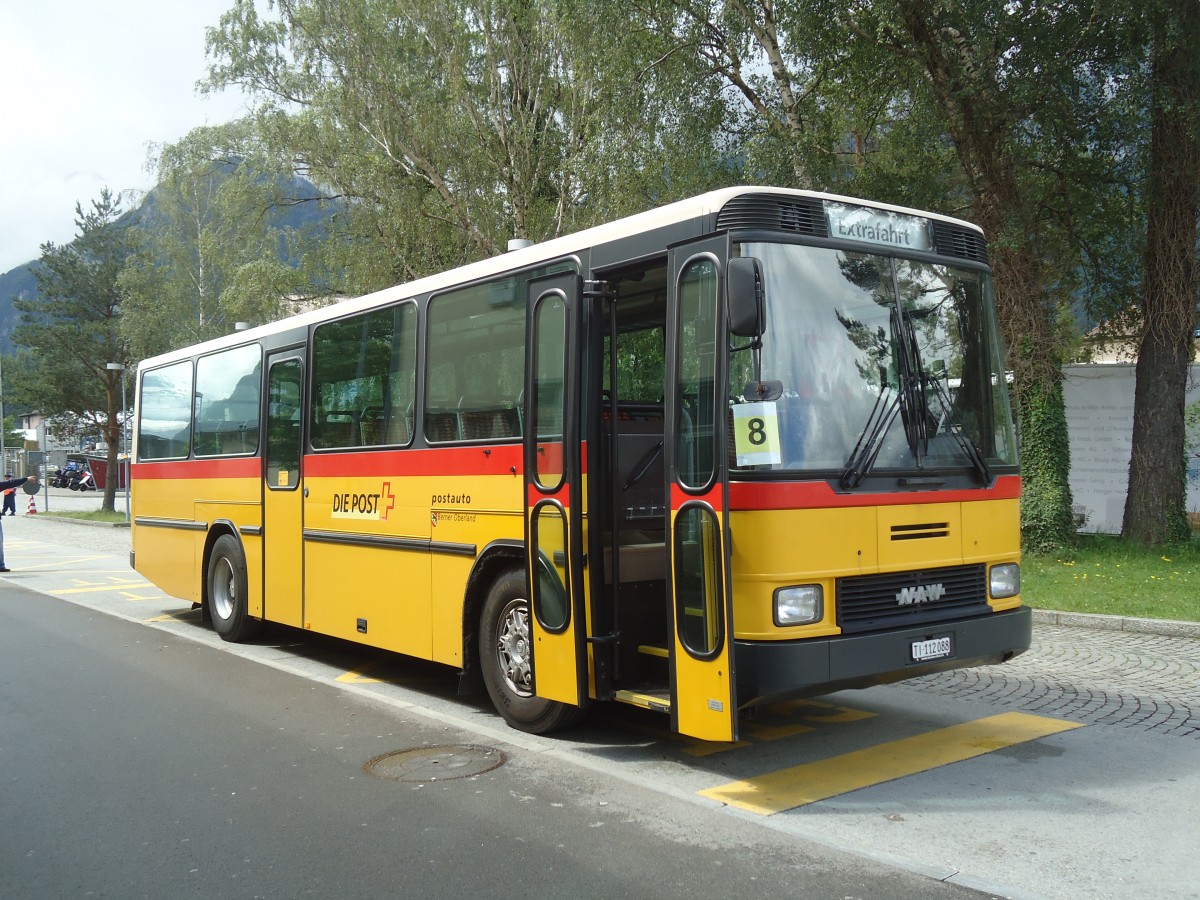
(495, 559)
(504, 661)
(226, 587)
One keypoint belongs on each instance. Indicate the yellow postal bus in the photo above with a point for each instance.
(751, 445)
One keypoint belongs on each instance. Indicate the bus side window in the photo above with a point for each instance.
(364, 376)
(228, 388)
(165, 419)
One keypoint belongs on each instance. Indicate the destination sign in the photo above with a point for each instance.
(877, 226)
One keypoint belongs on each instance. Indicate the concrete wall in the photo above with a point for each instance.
(1099, 401)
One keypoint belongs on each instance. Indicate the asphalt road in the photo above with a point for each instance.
(1080, 777)
(135, 763)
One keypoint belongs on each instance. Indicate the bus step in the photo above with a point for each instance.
(653, 651)
(660, 701)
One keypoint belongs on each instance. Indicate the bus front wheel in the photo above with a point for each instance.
(226, 589)
(507, 663)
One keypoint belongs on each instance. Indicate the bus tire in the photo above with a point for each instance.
(226, 590)
(504, 655)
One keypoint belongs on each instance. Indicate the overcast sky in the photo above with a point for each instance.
(85, 87)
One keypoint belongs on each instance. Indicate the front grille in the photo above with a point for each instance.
(901, 599)
(802, 215)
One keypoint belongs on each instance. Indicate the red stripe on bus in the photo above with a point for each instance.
(242, 467)
(819, 495)
(441, 461)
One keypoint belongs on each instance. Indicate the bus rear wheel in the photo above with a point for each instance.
(225, 592)
(505, 644)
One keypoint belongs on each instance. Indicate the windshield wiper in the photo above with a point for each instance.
(870, 441)
(908, 401)
(912, 377)
(965, 444)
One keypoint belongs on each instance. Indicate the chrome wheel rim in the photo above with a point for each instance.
(512, 648)
(224, 589)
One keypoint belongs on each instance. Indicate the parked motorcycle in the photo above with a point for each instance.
(75, 477)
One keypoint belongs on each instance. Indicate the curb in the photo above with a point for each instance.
(1164, 627)
(42, 517)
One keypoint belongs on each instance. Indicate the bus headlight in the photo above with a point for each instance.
(798, 605)
(1004, 581)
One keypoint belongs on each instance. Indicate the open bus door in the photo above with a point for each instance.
(553, 490)
(703, 702)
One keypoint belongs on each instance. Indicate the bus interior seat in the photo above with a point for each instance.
(370, 424)
(441, 425)
(340, 429)
(487, 419)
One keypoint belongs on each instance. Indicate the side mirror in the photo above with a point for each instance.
(744, 295)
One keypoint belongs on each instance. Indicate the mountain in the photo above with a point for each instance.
(21, 283)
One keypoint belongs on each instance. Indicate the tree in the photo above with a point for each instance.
(1155, 503)
(73, 331)
(1004, 79)
(449, 129)
(943, 104)
(773, 69)
(207, 253)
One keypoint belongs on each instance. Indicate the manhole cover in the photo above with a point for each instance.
(435, 763)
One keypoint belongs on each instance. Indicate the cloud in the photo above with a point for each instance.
(86, 89)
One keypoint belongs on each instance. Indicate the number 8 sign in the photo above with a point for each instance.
(756, 434)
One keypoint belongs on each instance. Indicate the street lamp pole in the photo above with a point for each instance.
(118, 367)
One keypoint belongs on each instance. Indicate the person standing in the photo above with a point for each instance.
(10, 500)
(4, 486)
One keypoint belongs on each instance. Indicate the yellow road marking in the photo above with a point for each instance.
(172, 616)
(58, 563)
(820, 712)
(696, 747)
(359, 676)
(93, 588)
(808, 783)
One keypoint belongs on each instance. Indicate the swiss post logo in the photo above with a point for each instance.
(370, 506)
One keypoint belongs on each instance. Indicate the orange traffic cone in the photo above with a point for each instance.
(32, 511)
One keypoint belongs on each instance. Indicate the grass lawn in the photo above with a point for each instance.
(96, 515)
(1102, 574)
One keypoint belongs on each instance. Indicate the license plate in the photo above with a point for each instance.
(934, 648)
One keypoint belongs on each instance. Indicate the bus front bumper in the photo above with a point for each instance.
(779, 669)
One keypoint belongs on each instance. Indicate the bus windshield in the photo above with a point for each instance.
(882, 365)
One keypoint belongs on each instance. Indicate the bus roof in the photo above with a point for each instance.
(662, 216)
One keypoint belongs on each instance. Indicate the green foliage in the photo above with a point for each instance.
(450, 128)
(1046, 521)
(72, 332)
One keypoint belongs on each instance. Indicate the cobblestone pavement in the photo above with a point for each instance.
(1100, 677)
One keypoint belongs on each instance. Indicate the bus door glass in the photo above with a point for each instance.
(703, 704)
(553, 523)
(283, 543)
